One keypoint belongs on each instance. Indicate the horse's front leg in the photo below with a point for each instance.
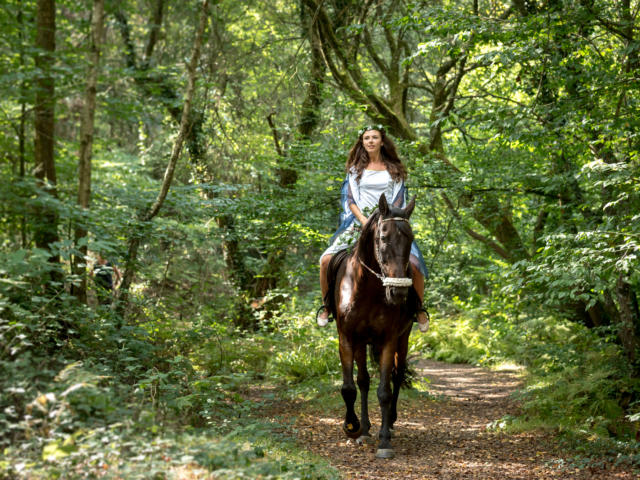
(363, 385)
(399, 374)
(351, 424)
(385, 397)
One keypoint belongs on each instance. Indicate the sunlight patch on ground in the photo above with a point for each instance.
(327, 421)
(412, 425)
(509, 367)
(191, 472)
(495, 466)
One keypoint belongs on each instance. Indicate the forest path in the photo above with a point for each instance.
(445, 437)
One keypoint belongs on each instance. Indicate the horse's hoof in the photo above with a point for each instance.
(351, 430)
(385, 453)
(362, 439)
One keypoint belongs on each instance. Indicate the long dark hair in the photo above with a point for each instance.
(358, 158)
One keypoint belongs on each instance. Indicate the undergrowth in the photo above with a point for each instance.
(155, 398)
(160, 398)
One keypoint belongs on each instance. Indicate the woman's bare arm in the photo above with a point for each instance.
(356, 211)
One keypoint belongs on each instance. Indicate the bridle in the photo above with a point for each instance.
(387, 281)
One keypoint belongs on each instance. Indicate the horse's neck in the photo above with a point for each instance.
(366, 254)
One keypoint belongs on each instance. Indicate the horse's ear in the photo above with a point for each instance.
(410, 206)
(383, 205)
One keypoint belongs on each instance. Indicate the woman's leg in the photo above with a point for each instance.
(418, 284)
(323, 316)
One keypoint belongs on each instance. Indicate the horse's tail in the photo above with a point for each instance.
(374, 354)
(406, 372)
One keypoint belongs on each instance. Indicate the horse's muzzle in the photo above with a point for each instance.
(396, 295)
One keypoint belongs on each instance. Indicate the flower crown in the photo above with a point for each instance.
(380, 128)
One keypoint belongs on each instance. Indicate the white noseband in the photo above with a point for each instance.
(396, 282)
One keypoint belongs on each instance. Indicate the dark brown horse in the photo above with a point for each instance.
(373, 302)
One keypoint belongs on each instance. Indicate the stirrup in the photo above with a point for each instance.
(423, 327)
(324, 322)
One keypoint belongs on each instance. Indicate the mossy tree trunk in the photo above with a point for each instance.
(46, 222)
(86, 146)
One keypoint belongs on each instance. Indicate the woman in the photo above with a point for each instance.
(373, 168)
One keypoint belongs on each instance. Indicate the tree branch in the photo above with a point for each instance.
(352, 80)
(156, 24)
(186, 111)
(274, 132)
(473, 234)
(373, 54)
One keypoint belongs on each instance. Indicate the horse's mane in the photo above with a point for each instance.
(366, 238)
(367, 234)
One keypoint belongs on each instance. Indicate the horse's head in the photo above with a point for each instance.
(392, 240)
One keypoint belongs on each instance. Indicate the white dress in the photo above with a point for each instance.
(366, 195)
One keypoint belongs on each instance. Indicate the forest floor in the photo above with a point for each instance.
(445, 435)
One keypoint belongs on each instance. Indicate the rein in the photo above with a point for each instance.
(388, 281)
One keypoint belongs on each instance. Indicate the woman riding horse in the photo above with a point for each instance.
(373, 168)
(372, 299)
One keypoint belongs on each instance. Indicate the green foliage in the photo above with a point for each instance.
(122, 451)
(311, 357)
(130, 407)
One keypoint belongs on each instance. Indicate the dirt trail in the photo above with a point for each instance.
(446, 438)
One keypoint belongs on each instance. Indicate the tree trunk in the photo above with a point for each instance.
(23, 121)
(46, 230)
(231, 251)
(629, 321)
(86, 144)
(309, 116)
(147, 216)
